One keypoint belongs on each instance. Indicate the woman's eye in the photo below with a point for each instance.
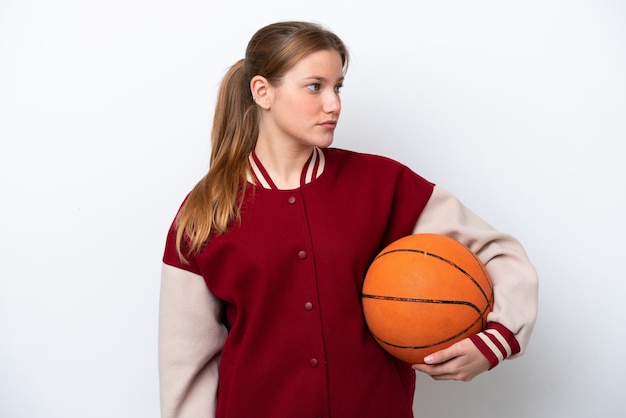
(338, 88)
(314, 87)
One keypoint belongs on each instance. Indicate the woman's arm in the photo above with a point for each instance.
(514, 278)
(191, 336)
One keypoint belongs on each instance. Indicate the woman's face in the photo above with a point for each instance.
(304, 105)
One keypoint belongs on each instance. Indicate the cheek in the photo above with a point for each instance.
(299, 108)
(305, 108)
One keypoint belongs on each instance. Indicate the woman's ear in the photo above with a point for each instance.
(259, 86)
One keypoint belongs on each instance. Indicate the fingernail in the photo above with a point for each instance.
(428, 359)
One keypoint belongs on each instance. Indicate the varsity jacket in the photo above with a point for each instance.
(266, 320)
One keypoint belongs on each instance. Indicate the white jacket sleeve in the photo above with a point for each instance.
(191, 336)
(514, 278)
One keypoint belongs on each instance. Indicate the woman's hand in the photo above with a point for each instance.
(461, 361)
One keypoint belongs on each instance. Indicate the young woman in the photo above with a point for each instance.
(263, 265)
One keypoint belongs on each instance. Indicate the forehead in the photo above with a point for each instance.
(325, 64)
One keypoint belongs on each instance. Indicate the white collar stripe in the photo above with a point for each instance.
(322, 162)
(258, 174)
(310, 175)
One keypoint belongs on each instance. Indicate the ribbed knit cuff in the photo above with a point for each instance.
(496, 343)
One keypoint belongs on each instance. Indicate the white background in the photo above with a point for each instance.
(519, 108)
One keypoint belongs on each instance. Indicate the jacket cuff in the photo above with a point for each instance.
(496, 343)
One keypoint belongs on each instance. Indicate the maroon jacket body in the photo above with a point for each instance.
(290, 275)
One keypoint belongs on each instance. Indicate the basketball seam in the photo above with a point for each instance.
(411, 347)
(420, 300)
(445, 260)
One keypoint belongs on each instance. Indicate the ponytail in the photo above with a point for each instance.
(215, 202)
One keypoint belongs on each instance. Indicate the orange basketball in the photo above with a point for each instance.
(423, 293)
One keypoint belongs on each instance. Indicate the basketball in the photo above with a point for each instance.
(423, 293)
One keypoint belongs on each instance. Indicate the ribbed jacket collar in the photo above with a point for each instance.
(313, 168)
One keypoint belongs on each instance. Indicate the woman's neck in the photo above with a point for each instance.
(283, 164)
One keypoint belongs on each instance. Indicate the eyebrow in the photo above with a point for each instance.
(323, 79)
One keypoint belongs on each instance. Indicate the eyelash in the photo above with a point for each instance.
(315, 87)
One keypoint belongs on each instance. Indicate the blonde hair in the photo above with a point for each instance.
(215, 201)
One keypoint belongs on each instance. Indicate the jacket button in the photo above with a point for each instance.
(313, 362)
(302, 254)
(308, 306)
(291, 200)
